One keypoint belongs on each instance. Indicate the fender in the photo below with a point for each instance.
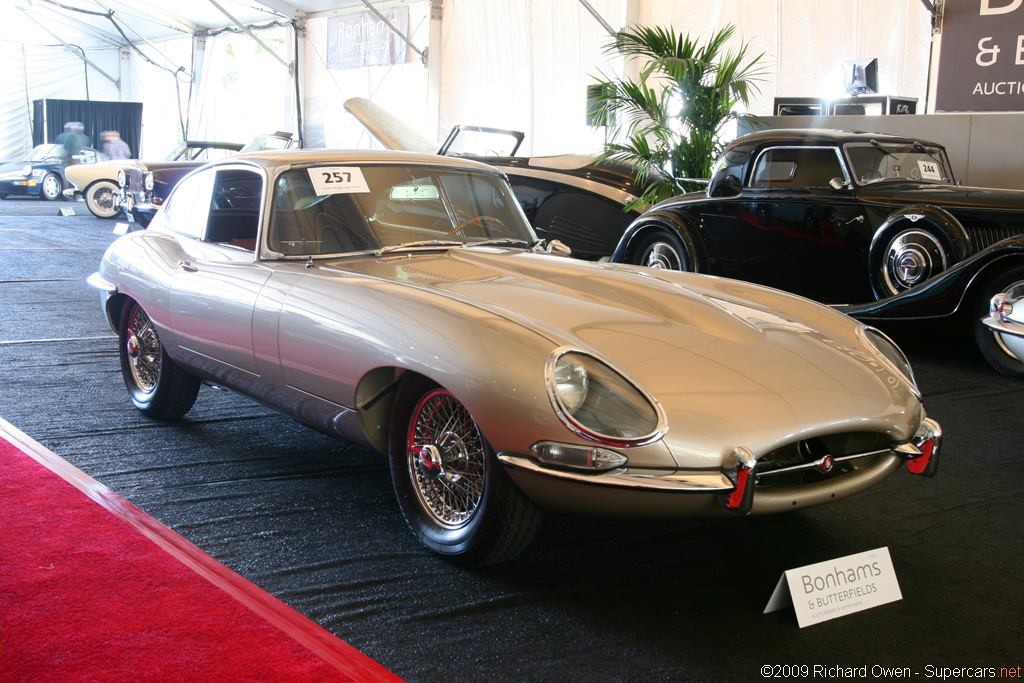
(946, 294)
(681, 226)
(923, 215)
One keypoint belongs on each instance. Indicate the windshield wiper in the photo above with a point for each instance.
(924, 150)
(882, 147)
(417, 245)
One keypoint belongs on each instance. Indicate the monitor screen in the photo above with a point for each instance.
(861, 76)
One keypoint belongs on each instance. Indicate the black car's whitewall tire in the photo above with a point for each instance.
(51, 187)
(157, 386)
(453, 492)
(101, 199)
(1011, 283)
(662, 249)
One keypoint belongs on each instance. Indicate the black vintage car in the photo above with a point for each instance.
(876, 223)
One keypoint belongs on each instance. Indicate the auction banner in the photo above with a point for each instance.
(364, 39)
(981, 62)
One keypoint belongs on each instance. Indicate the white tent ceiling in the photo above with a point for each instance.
(76, 21)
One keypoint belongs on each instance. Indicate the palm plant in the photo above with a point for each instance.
(668, 120)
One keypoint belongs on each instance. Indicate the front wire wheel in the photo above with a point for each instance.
(101, 199)
(455, 496)
(157, 386)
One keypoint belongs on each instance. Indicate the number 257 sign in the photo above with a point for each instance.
(337, 180)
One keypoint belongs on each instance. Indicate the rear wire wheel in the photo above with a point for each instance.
(157, 386)
(453, 492)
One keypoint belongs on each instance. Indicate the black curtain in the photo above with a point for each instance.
(49, 117)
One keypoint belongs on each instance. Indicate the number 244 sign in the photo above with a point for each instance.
(337, 180)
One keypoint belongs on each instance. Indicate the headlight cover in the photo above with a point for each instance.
(889, 353)
(598, 403)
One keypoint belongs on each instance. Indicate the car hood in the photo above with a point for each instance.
(948, 195)
(12, 166)
(718, 354)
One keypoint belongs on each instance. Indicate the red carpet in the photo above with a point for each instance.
(101, 592)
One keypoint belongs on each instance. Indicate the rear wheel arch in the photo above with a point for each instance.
(686, 234)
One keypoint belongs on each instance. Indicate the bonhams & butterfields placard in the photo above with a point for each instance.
(981, 62)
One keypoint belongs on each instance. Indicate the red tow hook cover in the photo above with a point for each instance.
(741, 499)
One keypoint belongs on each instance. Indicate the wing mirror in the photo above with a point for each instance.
(839, 183)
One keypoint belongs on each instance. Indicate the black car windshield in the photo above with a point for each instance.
(344, 209)
(44, 152)
(876, 161)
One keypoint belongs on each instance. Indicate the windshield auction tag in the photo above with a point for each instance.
(835, 588)
(338, 180)
(929, 170)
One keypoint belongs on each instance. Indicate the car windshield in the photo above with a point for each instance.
(42, 152)
(875, 161)
(342, 209)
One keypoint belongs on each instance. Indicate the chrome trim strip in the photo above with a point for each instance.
(1003, 326)
(812, 465)
(678, 481)
(99, 282)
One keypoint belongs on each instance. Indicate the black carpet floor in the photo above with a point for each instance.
(313, 520)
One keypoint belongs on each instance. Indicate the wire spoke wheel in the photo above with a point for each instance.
(143, 349)
(157, 386)
(446, 459)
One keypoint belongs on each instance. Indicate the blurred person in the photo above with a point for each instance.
(114, 147)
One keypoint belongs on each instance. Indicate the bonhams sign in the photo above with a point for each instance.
(981, 64)
(363, 39)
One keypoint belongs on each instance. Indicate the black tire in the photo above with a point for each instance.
(101, 199)
(454, 494)
(912, 254)
(662, 249)
(51, 187)
(1011, 283)
(157, 386)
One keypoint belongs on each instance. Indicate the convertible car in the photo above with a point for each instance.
(874, 223)
(403, 302)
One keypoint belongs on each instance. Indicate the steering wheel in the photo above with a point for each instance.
(478, 221)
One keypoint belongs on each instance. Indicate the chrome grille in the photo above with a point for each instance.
(982, 238)
(796, 463)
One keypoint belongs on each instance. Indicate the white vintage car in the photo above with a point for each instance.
(402, 301)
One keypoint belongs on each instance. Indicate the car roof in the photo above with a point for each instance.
(821, 136)
(279, 160)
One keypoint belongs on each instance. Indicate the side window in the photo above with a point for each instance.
(188, 207)
(234, 209)
(793, 167)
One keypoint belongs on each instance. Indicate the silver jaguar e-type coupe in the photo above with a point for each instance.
(402, 301)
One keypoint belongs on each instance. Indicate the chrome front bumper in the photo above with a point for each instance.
(734, 485)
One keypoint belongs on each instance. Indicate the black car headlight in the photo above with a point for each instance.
(599, 403)
(890, 354)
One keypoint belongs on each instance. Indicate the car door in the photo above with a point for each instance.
(215, 287)
(791, 228)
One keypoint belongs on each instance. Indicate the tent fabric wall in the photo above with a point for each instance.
(33, 72)
(399, 88)
(525, 65)
(806, 41)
